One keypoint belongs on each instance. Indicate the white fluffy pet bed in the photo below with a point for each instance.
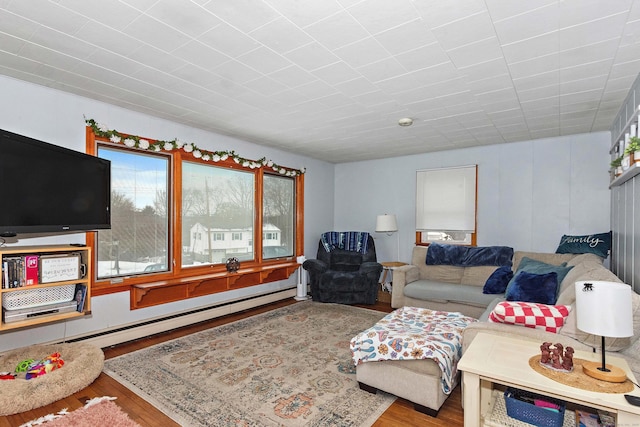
(82, 364)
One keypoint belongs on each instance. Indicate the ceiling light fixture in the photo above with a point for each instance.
(406, 121)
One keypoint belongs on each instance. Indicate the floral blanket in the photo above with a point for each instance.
(415, 333)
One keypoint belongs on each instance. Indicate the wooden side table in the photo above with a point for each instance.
(495, 359)
(389, 266)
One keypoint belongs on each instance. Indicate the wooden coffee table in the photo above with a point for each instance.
(494, 359)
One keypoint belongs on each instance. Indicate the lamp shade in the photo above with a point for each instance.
(386, 224)
(604, 308)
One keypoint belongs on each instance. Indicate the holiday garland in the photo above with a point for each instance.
(133, 141)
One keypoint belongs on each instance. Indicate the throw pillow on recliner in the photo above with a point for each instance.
(345, 261)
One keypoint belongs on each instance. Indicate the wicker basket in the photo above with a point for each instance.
(518, 407)
(36, 297)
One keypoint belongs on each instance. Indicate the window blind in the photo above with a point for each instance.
(446, 199)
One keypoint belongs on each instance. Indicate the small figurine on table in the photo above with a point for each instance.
(567, 360)
(545, 348)
(557, 358)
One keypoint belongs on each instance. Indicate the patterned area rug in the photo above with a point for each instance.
(287, 367)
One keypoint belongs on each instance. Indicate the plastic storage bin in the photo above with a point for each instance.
(520, 405)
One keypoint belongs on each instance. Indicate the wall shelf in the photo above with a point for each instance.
(632, 171)
(150, 294)
(26, 303)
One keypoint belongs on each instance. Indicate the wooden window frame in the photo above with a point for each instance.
(181, 283)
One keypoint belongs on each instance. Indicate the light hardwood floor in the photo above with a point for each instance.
(400, 414)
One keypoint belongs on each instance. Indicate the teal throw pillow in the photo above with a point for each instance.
(498, 281)
(531, 287)
(598, 244)
(531, 265)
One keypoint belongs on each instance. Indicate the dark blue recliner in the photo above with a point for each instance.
(343, 276)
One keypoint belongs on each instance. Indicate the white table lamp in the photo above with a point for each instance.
(604, 308)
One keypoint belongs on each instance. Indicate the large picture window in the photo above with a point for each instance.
(178, 216)
(217, 203)
(138, 241)
(278, 217)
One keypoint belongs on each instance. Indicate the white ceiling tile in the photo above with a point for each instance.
(337, 30)
(62, 42)
(539, 80)
(531, 48)
(587, 54)
(228, 40)
(292, 76)
(465, 31)
(157, 59)
(362, 52)
(437, 13)
(264, 60)
(11, 44)
(546, 92)
(305, 12)
(503, 9)
(356, 87)
(155, 33)
(499, 82)
(382, 70)
(108, 38)
(114, 14)
(532, 23)
(281, 35)
(336, 73)
(423, 57)
(312, 56)
(53, 16)
(532, 67)
(245, 15)
(265, 86)
(590, 10)
(201, 54)
(592, 32)
(406, 37)
(475, 53)
(380, 15)
(485, 70)
(236, 72)
(16, 25)
(186, 17)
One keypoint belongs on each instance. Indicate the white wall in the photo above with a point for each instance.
(58, 118)
(529, 193)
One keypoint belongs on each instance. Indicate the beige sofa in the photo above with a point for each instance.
(400, 377)
(585, 268)
(455, 289)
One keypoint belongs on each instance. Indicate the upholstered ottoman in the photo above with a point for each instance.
(411, 353)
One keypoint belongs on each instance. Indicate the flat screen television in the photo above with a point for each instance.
(45, 188)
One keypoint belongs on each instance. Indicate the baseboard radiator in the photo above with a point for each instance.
(135, 331)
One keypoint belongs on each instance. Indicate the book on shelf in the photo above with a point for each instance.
(80, 296)
(19, 271)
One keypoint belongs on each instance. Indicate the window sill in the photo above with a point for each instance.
(162, 292)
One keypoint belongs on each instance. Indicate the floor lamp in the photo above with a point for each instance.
(388, 224)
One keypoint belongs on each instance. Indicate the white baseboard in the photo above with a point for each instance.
(132, 332)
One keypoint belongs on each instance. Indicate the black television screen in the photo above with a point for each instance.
(47, 188)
